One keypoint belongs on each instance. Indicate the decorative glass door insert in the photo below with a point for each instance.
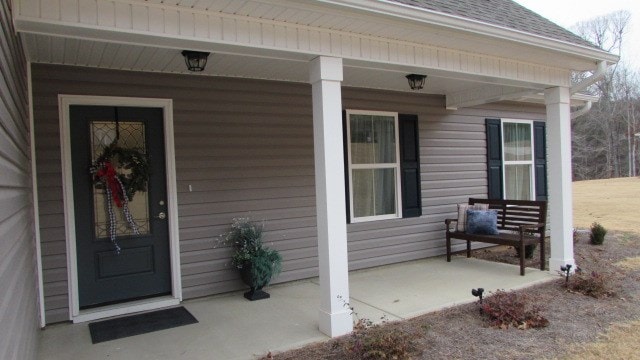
(128, 135)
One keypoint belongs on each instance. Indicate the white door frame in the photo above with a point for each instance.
(75, 314)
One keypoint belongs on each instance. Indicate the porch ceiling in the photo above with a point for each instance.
(380, 42)
(76, 52)
(390, 21)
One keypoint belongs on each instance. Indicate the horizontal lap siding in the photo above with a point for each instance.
(246, 149)
(453, 168)
(19, 301)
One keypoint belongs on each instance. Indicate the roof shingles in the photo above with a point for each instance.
(505, 13)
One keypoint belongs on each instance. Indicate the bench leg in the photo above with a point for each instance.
(448, 248)
(468, 248)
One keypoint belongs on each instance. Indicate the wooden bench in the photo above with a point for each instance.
(520, 223)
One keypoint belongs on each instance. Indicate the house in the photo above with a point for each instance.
(260, 132)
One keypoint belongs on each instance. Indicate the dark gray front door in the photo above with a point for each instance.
(141, 268)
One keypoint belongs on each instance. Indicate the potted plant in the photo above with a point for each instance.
(258, 264)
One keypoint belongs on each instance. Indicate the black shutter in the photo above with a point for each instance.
(540, 159)
(410, 166)
(345, 146)
(494, 158)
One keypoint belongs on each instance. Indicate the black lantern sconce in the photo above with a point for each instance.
(195, 60)
(416, 81)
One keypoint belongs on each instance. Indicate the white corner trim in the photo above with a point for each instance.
(64, 102)
(34, 199)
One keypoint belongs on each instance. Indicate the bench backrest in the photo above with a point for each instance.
(512, 213)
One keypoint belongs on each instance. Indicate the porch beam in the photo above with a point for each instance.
(558, 127)
(325, 78)
(484, 95)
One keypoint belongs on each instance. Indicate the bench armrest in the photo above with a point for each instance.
(448, 222)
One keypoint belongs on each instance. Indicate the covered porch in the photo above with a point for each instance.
(260, 132)
(288, 320)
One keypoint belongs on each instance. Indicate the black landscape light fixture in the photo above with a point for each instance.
(195, 60)
(478, 293)
(416, 81)
(566, 269)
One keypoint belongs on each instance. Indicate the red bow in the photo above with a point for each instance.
(107, 174)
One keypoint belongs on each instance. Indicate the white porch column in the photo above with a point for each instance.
(559, 176)
(326, 77)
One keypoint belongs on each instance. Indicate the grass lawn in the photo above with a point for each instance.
(614, 203)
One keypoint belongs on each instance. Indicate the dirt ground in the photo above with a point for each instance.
(580, 327)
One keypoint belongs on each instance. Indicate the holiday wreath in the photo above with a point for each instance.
(120, 172)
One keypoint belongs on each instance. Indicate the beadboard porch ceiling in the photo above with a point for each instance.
(76, 52)
(276, 39)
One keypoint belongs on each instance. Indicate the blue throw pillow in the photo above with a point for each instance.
(482, 222)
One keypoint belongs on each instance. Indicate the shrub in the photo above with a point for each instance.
(593, 284)
(597, 234)
(369, 341)
(503, 309)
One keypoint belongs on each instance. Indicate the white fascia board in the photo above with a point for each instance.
(422, 15)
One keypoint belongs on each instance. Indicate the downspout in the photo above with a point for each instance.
(597, 75)
(582, 110)
(601, 70)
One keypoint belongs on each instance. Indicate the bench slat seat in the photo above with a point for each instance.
(520, 223)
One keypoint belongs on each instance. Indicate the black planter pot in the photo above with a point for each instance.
(256, 292)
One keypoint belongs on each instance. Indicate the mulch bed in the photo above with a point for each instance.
(461, 333)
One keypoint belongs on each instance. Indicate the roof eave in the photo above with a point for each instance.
(422, 15)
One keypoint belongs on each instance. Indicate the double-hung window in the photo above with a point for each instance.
(374, 165)
(517, 147)
(516, 159)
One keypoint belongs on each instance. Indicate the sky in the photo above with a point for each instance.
(569, 12)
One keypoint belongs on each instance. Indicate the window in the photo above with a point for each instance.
(374, 165)
(517, 147)
(516, 159)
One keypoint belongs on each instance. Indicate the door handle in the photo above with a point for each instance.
(161, 215)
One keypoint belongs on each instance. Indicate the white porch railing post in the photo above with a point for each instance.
(558, 127)
(326, 77)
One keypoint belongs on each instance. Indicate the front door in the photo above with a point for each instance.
(120, 203)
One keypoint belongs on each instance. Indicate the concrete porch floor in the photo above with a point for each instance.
(231, 327)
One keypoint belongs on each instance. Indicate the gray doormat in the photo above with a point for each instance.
(119, 328)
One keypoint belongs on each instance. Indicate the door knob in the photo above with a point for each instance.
(161, 215)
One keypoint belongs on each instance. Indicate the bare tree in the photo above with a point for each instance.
(604, 144)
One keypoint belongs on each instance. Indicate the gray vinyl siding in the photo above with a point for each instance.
(242, 151)
(246, 149)
(19, 321)
(452, 165)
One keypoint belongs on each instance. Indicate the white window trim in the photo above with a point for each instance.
(396, 166)
(531, 162)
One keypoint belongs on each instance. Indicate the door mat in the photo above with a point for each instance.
(119, 328)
